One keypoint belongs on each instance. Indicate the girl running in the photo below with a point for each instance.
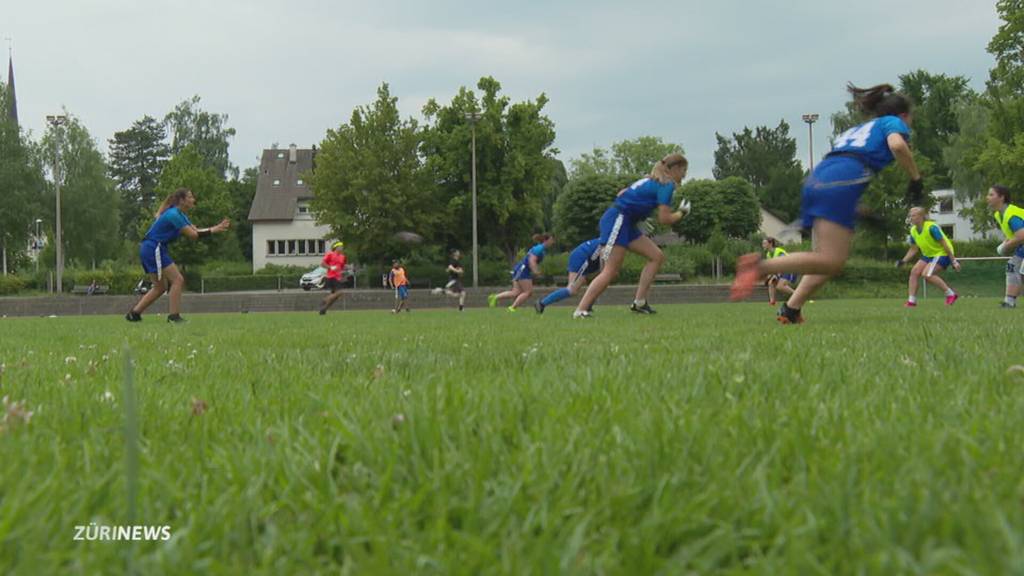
(619, 232)
(334, 261)
(831, 193)
(584, 262)
(1010, 219)
(454, 287)
(522, 274)
(171, 221)
(776, 282)
(936, 252)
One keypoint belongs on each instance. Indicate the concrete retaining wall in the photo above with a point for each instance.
(298, 301)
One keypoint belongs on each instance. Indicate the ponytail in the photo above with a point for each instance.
(660, 170)
(541, 238)
(173, 199)
(880, 100)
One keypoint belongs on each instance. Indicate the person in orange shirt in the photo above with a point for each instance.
(334, 261)
(398, 281)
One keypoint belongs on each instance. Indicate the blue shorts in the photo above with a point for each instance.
(833, 190)
(627, 230)
(944, 261)
(154, 256)
(521, 272)
(791, 278)
(583, 265)
(402, 292)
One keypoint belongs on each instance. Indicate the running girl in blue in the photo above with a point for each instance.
(619, 232)
(171, 222)
(831, 194)
(584, 261)
(523, 273)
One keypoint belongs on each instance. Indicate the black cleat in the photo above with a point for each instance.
(645, 309)
(539, 307)
(788, 315)
(176, 319)
(1007, 305)
(132, 316)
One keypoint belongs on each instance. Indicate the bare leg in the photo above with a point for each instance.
(177, 282)
(525, 288)
(148, 298)
(330, 299)
(915, 279)
(936, 281)
(646, 247)
(771, 292)
(509, 293)
(608, 275)
(784, 286)
(831, 249)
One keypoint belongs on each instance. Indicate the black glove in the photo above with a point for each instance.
(915, 191)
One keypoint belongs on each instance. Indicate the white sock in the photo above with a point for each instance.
(1011, 300)
(949, 292)
(640, 302)
(912, 299)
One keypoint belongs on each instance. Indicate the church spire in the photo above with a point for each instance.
(12, 111)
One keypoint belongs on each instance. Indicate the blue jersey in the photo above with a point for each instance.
(643, 196)
(869, 141)
(539, 251)
(586, 250)
(168, 226)
(1016, 224)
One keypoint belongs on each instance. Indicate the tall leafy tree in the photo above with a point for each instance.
(90, 211)
(765, 157)
(633, 158)
(514, 152)
(188, 169)
(21, 186)
(936, 98)
(369, 182)
(206, 132)
(137, 155)
(728, 205)
(581, 204)
(559, 178)
(241, 192)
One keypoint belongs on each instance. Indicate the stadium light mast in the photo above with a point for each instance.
(810, 119)
(57, 122)
(473, 118)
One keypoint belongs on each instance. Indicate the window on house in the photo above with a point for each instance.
(299, 182)
(280, 248)
(292, 248)
(321, 246)
(948, 231)
(277, 182)
(946, 205)
(303, 209)
(280, 154)
(271, 248)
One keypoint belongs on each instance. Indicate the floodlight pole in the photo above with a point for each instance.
(57, 122)
(810, 119)
(473, 117)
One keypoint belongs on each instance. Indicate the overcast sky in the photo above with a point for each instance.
(287, 71)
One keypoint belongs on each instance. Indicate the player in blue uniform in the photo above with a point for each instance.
(523, 273)
(584, 261)
(831, 194)
(619, 232)
(171, 222)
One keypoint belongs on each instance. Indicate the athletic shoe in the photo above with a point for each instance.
(788, 315)
(512, 309)
(393, 311)
(645, 309)
(133, 316)
(539, 307)
(772, 302)
(437, 291)
(323, 312)
(461, 307)
(586, 315)
(951, 299)
(746, 277)
(1007, 305)
(176, 319)
(909, 304)
(492, 300)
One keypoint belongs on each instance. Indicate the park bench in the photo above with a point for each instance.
(84, 289)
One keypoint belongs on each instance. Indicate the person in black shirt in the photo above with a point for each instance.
(454, 287)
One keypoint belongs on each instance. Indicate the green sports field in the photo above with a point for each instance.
(705, 440)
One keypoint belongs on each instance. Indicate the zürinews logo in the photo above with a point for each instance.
(95, 532)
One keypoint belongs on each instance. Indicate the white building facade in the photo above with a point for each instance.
(284, 231)
(946, 213)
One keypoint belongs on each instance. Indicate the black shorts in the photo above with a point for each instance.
(332, 284)
(454, 285)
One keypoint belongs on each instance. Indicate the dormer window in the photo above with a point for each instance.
(280, 155)
(277, 182)
(299, 182)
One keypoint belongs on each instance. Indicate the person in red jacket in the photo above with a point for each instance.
(334, 261)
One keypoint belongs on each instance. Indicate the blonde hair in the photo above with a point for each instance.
(660, 170)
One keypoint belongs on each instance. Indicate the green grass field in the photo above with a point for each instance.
(705, 440)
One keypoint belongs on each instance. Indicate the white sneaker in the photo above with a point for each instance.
(584, 314)
(437, 291)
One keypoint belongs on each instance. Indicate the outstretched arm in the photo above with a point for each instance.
(194, 233)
